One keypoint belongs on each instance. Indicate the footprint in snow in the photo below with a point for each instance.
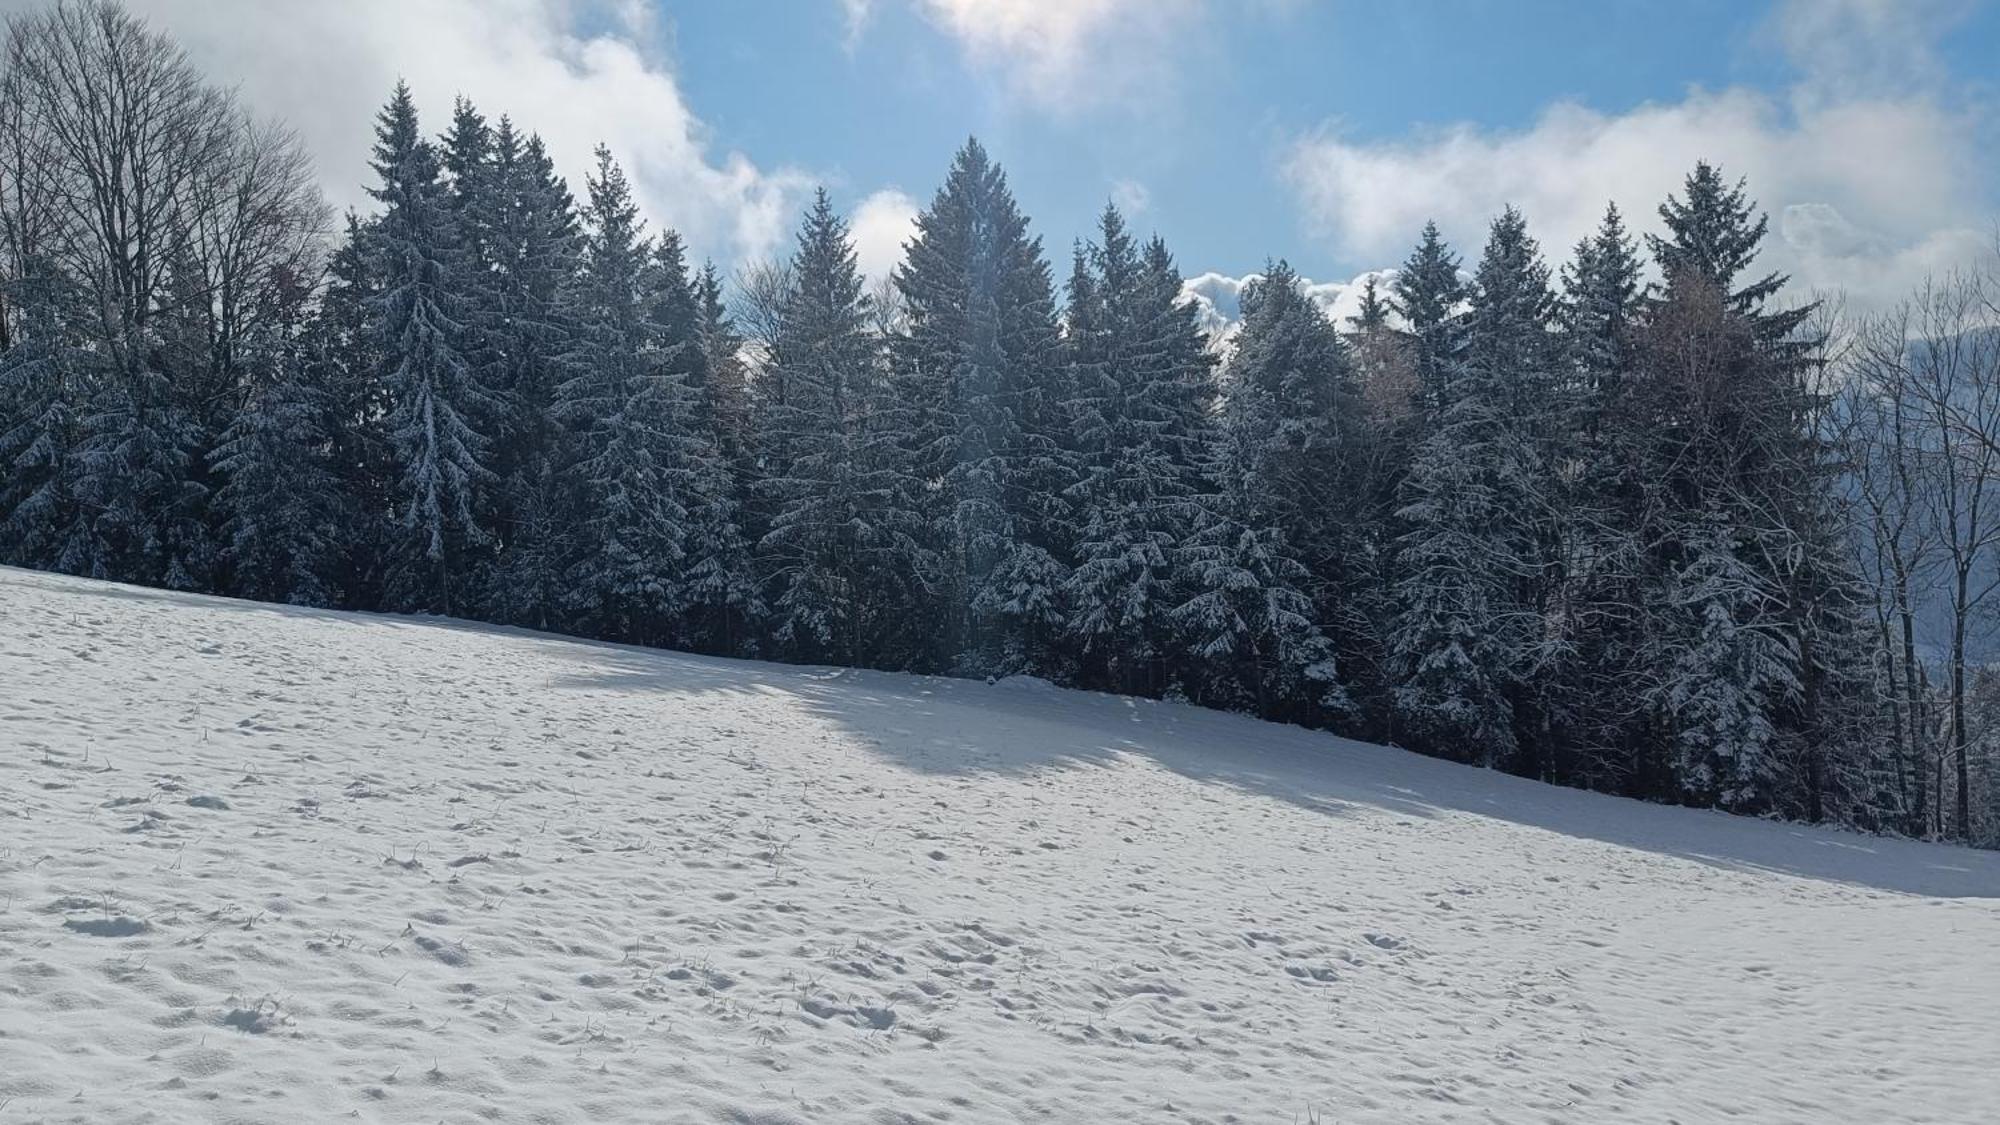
(120, 926)
(450, 953)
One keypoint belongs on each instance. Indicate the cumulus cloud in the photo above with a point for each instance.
(577, 71)
(1219, 297)
(1870, 180)
(1064, 54)
(881, 225)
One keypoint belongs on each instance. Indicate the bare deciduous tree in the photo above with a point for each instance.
(1935, 464)
(1887, 486)
(762, 288)
(148, 187)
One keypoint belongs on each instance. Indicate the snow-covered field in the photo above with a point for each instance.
(265, 864)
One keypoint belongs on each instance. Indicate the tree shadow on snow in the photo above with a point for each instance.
(963, 727)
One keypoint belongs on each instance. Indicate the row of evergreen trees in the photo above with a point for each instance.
(1572, 526)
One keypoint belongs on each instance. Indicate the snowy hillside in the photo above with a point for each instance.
(263, 864)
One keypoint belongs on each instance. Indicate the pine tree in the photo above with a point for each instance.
(475, 205)
(140, 453)
(1386, 378)
(1714, 235)
(1452, 692)
(1373, 313)
(829, 556)
(984, 417)
(1731, 404)
(434, 395)
(1267, 548)
(530, 231)
(1141, 376)
(342, 363)
(1477, 574)
(284, 512)
(1730, 674)
(1603, 480)
(46, 377)
(1428, 296)
(718, 599)
(621, 405)
(727, 387)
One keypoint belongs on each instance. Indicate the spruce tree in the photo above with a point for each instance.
(727, 387)
(1373, 313)
(1730, 673)
(475, 200)
(148, 425)
(1476, 563)
(1714, 235)
(1604, 481)
(343, 364)
(284, 512)
(718, 591)
(824, 555)
(1392, 426)
(622, 404)
(1428, 296)
(984, 416)
(1452, 695)
(1731, 399)
(46, 376)
(1265, 552)
(1141, 375)
(140, 454)
(530, 230)
(1600, 312)
(1293, 395)
(435, 399)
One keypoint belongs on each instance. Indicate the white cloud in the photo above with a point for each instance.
(1219, 298)
(577, 71)
(1850, 48)
(881, 225)
(1869, 184)
(1131, 197)
(857, 13)
(1063, 54)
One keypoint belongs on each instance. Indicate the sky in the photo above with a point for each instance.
(1321, 131)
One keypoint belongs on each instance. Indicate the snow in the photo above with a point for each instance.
(261, 863)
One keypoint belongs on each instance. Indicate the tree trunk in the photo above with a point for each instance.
(1960, 609)
(1912, 697)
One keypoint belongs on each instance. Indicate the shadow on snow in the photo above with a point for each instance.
(963, 727)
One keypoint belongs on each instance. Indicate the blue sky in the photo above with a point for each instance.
(1207, 146)
(1324, 131)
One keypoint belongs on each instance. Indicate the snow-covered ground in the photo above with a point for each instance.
(266, 864)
